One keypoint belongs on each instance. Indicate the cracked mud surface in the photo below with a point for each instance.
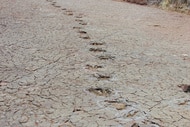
(64, 64)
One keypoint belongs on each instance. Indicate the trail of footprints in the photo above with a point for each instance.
(84, 35)
(99, 91)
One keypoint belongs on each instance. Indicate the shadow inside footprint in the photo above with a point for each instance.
(102, 76)
(97, 43)
(146, 123)
(79, 20)
(135, 125)
(84, 36)
(53, 3)
(77, 27)
(91, 67)
(117, 104)
(63, 9)
(185, 87)
(106, 57)
(82, 32)
(97, 50)
(68, 12)
(100, 91)
(83, 23)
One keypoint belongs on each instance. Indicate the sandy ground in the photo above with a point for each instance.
(92, 63)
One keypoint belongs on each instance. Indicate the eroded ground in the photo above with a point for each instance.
(100, 63)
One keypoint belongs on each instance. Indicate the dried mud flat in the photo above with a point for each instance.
(100, 63)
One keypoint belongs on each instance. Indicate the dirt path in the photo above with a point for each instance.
(100, 63)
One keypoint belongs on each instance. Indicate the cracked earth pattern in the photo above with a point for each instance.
(100, 63)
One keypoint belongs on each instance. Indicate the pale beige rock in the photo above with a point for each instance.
(119, 106)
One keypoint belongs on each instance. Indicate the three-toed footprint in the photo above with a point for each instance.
(84, 36)
(68, 12)
(82, 23)
(97, 43)
(97, 50)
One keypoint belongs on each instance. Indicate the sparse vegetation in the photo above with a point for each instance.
(176, 5)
